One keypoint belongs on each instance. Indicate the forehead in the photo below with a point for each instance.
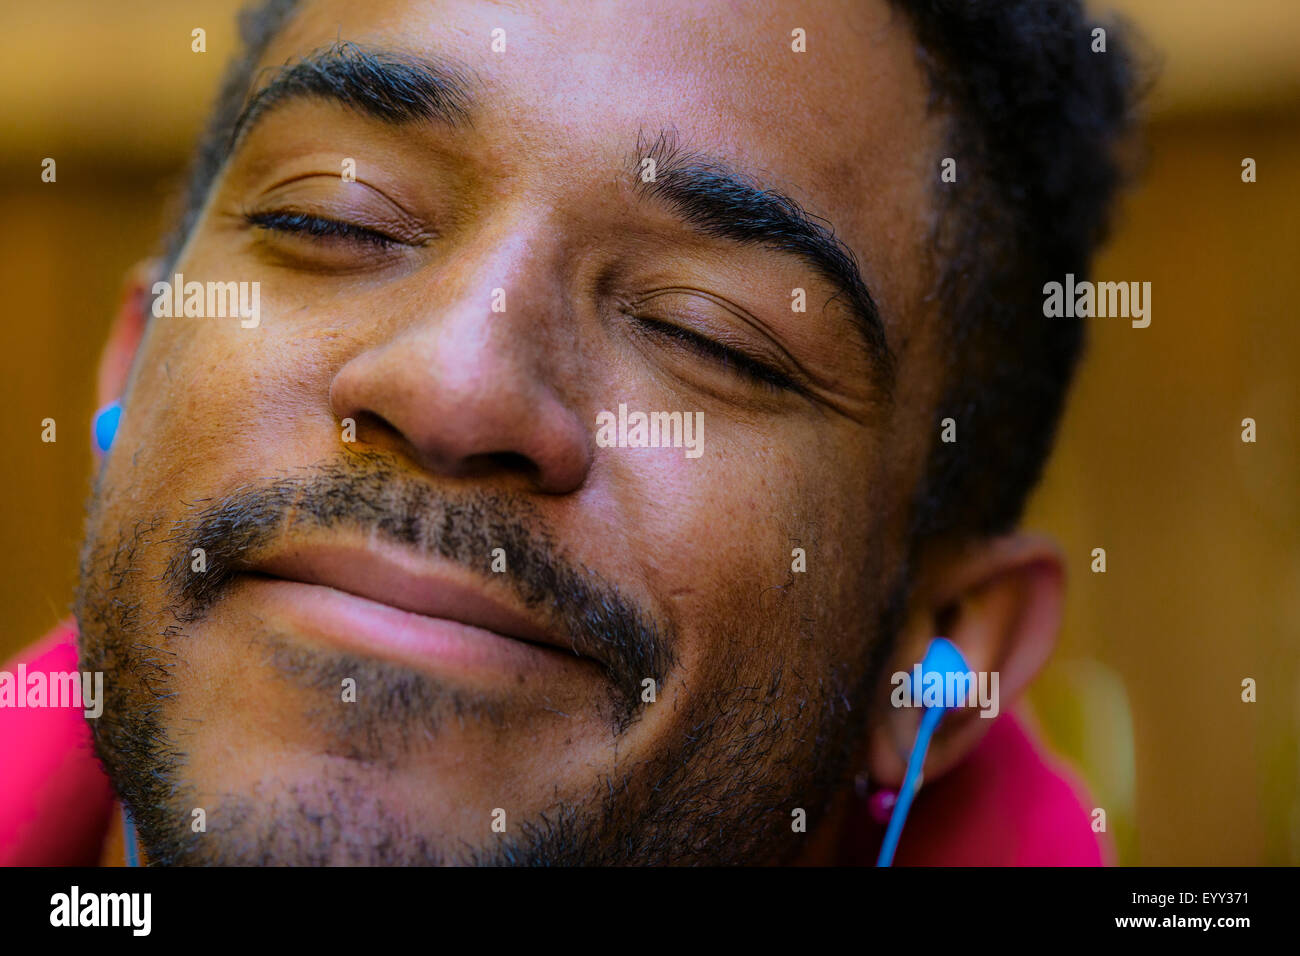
(842, 128)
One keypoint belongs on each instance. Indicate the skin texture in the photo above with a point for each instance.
(487, 420)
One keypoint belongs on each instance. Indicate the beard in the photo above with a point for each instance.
(720, 791)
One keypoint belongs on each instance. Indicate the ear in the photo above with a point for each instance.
(127, 331)
(999, 601)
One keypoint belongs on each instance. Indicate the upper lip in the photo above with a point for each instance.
(408, 582)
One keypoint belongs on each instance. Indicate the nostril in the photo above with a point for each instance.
(370, 424)
(511, 461)
(367, 428)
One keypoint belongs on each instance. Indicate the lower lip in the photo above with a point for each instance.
(373, 629)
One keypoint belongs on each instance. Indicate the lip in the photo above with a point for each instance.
(385, 601)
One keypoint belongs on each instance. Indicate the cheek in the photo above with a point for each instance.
(212, 401)
(743, 548)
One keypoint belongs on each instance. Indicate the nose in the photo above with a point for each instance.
(464, 390)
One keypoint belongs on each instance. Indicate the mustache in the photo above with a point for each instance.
(367, 491)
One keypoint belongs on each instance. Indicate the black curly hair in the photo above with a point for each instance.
(1039, 122)
(1036, 120)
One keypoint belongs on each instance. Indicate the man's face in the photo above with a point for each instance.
(359, 645)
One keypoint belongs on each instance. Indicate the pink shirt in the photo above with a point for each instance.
(1007, 804)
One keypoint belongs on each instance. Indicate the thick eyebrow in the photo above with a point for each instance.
(386, 85)
(712, 197)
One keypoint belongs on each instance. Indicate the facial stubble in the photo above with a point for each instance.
(722, 791)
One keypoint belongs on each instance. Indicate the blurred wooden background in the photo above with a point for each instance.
(1201, 531)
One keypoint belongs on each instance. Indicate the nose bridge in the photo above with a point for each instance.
(462, 383)
(498, 299)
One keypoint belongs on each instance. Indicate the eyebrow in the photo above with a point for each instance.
(386, 85)
(719, 201)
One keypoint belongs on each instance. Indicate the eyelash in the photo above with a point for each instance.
(305, 224)
(319, 227)
(737, 362)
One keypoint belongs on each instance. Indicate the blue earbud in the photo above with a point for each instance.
(104, 427)
(941, 656)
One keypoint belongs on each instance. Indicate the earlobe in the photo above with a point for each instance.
(1000, 603)
(126, 332)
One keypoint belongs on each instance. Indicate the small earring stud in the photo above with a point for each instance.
(881, 804)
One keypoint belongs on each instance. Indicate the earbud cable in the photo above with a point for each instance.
(911, 784)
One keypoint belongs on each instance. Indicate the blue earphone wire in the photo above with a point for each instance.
(941, 656)
(128, 836)
(911, 784)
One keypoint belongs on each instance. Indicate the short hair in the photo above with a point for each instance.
(1035, 120)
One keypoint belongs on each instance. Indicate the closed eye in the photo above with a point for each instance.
(734, 361)
(320, 227)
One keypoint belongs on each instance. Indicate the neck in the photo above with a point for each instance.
(113, 852)
(825, 842)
